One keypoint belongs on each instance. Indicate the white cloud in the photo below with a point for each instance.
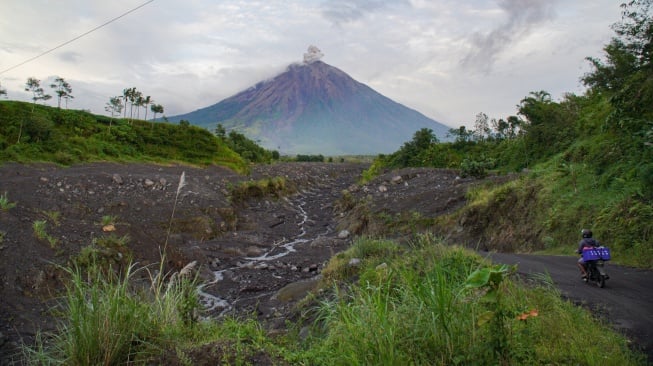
(449, 61)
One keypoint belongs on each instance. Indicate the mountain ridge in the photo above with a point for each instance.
(316, 108)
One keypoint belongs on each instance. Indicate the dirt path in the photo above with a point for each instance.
(626, 301)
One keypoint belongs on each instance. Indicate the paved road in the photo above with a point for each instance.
(627, 297)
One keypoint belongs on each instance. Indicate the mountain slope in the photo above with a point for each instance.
(316, 108)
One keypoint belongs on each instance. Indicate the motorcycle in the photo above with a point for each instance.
(595, 259)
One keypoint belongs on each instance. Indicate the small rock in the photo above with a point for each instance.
(117, 179)
(354, 262)
(383, 189)
(44, 180)
(163, 182)
(304, 333)
(397, 179)
(253, 251)
(344, 234)
(148, 183)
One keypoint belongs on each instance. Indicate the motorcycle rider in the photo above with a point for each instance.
(586, 242)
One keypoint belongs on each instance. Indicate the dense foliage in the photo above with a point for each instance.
(590, 155)
(31, 132)
(245, 147)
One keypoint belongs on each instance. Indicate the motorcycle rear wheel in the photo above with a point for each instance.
(601, 281)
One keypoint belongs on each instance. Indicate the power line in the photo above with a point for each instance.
(76, 38)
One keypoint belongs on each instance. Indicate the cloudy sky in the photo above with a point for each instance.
(449, 59)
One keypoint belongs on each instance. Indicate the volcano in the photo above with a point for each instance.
(315, 108)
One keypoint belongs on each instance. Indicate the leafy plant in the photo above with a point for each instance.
(490, 279)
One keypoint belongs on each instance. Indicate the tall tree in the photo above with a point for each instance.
(626, 75)
(156, 108)
(139, 103)
(63, 90)
(34, 85)
(114, 106)
(125, 97)
(134, 100)
(481, 127)
(146, 102)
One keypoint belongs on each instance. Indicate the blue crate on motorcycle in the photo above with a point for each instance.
(594, 254)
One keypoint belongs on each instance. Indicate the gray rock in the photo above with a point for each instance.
(354, 262)
(117, 179)
(344, 234)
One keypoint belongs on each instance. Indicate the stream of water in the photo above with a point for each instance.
(212, 303)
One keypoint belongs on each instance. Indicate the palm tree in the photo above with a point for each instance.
(125, 95)
(133, 99)
(156, 108)
(146, 102)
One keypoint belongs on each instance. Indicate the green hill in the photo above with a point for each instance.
(30, 132)
(587, 160)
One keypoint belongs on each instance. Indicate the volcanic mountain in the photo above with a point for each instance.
(315, 108)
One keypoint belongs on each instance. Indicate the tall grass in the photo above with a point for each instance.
(110, 319)
(425, 307)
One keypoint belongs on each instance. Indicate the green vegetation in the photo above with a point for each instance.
(589, 157)
(30, 132)
(428, 303)
(108, 220)
(39, 227)
(441, 305)
(5, 205)
(275, 187)
(248, 149)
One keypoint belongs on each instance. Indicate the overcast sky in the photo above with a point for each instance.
(449, 59)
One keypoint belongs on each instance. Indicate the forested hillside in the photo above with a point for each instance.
(31, 132)
(588, 159)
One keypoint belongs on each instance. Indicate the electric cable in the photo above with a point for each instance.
(76, 38)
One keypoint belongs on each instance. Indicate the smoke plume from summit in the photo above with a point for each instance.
(313, 54)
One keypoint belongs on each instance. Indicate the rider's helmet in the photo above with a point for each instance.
(587, 233)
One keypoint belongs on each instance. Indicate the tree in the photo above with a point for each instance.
(146, 102)
(3, 91)
(34, 85)
(626, 75)
(62, 89)
(156, 108)
(125, 96)
(220, 131)
(114, 106)
(413, 153)
(461, 134)
(138, 102)
(481, 127)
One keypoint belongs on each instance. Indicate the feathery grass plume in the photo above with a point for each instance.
(182, 183)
